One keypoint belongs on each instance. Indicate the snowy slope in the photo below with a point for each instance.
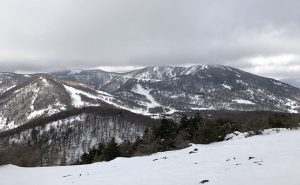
(42, 95)
(38, 96)
(101, 96)
(10, 80)
(276, 162)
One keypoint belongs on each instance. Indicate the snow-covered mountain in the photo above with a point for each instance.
(62, 138)
(64, 110)
(94, 78)
(167, 89)
(42, 95)
(268, 159)
(25, 98)
(148, 91)
(63, 119)
(10, 80)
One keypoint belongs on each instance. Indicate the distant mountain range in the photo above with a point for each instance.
(169, 89)
(292, 81)
(149, 91)
(95, 105)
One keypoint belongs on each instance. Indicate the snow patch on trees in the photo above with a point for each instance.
(242, 101)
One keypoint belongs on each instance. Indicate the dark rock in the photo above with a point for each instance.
(204, 181)
(258, 162)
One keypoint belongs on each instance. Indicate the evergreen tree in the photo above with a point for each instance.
(166, 130)
(192, 125)
(112, 150)
(99, 152)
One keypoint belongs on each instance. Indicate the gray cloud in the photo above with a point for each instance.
(52, 35)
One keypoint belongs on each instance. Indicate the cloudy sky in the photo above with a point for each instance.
(260, 36)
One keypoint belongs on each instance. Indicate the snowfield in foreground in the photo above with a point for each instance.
(272, 159)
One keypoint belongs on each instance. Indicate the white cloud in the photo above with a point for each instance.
(55, 35)
(279, 67)
(279, 60)
(119, 69)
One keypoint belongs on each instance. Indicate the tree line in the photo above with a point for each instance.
(170, 135)
(161, 135)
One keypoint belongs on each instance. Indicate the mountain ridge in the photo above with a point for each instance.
(65, 111)
(156, 78)
(152, 91)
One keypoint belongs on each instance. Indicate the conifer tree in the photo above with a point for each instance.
(112, 150)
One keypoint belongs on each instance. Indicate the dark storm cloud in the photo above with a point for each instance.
(52, 35)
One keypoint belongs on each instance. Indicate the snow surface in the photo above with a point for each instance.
(277, 83)
(101, 95)
(4, 125)
(140, 90)
(227, 86)
(292, 106)
(75, 96)
(74, 71)
(242, 101)
(35, 114)
(10, 87)
(276, 162)
(194, 69)
(50, 110)
(202, 108)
